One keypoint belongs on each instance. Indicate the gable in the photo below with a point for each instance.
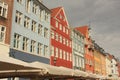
(61, 17)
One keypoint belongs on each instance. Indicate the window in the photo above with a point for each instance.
(64, 56)
(18, 18)
(2, 33)
(3, 9)
(39, 49)
(52, 35)
(45, 50)
(34, 10)
(56, 37)
(63, 40)
(60, 27)
(26, 22)
(52, 51)
(61, 53)
(67, 56)
(20, 1)
(56, 51)
(40, 29)
(33, 28)
(16, 43)
(57, 24)
(66, 31)
(45, 32)
(46, 16)
(28, 5)
(32, 47)
(25, 44)
(60, 38)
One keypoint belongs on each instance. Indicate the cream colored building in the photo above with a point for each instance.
(108, 66)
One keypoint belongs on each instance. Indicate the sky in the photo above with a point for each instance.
(103, 16)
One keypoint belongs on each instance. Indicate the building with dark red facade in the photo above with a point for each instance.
(61, 47)
(6, 7)
(89, 58)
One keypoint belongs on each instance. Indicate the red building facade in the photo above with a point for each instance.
(89, 58)
(61, 47)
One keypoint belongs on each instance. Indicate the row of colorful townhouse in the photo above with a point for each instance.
(29, 31)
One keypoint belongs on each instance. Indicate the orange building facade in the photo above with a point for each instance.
(99, 60)
(89, 58)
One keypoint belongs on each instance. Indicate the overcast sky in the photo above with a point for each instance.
(103, 15)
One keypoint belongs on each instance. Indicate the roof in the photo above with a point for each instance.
(54, 11)
(83, 29)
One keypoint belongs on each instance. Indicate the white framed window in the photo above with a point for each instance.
(52, 51)
(46, 16)
(52, 35)
(64, 29)
(28, 5)
(32, 47)
(16, 43)
(18, 18)
(67, 56)
(60, 26)
(63, 40)
(26, 22)
(45, 32)
(67, 42)
(19, 1)
(56, 37)
(60, 53)
(34, 9)
(40, 27)
(25, 44)
(2, 33)
(45, 50)
(33, 28)
(3, 9)
(56, 52)
(39, 49)
(56, 24)
(64, 56)
(60, 39)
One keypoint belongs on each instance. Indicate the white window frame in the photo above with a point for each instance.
(56, 24)
(52, 35)
(46, 32)
(28, 5)
(60, 26)
(16, 43)
(56, 52)
(60, 53)
(3, 9)
(26, 22)
(33, 28)
(56, 37)
(32, 46)
(40, 29)
(52, 51)
(35, 8)
(45, 50)
(40, 48)
(18, 18)
(2, 33)
(25, 44)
